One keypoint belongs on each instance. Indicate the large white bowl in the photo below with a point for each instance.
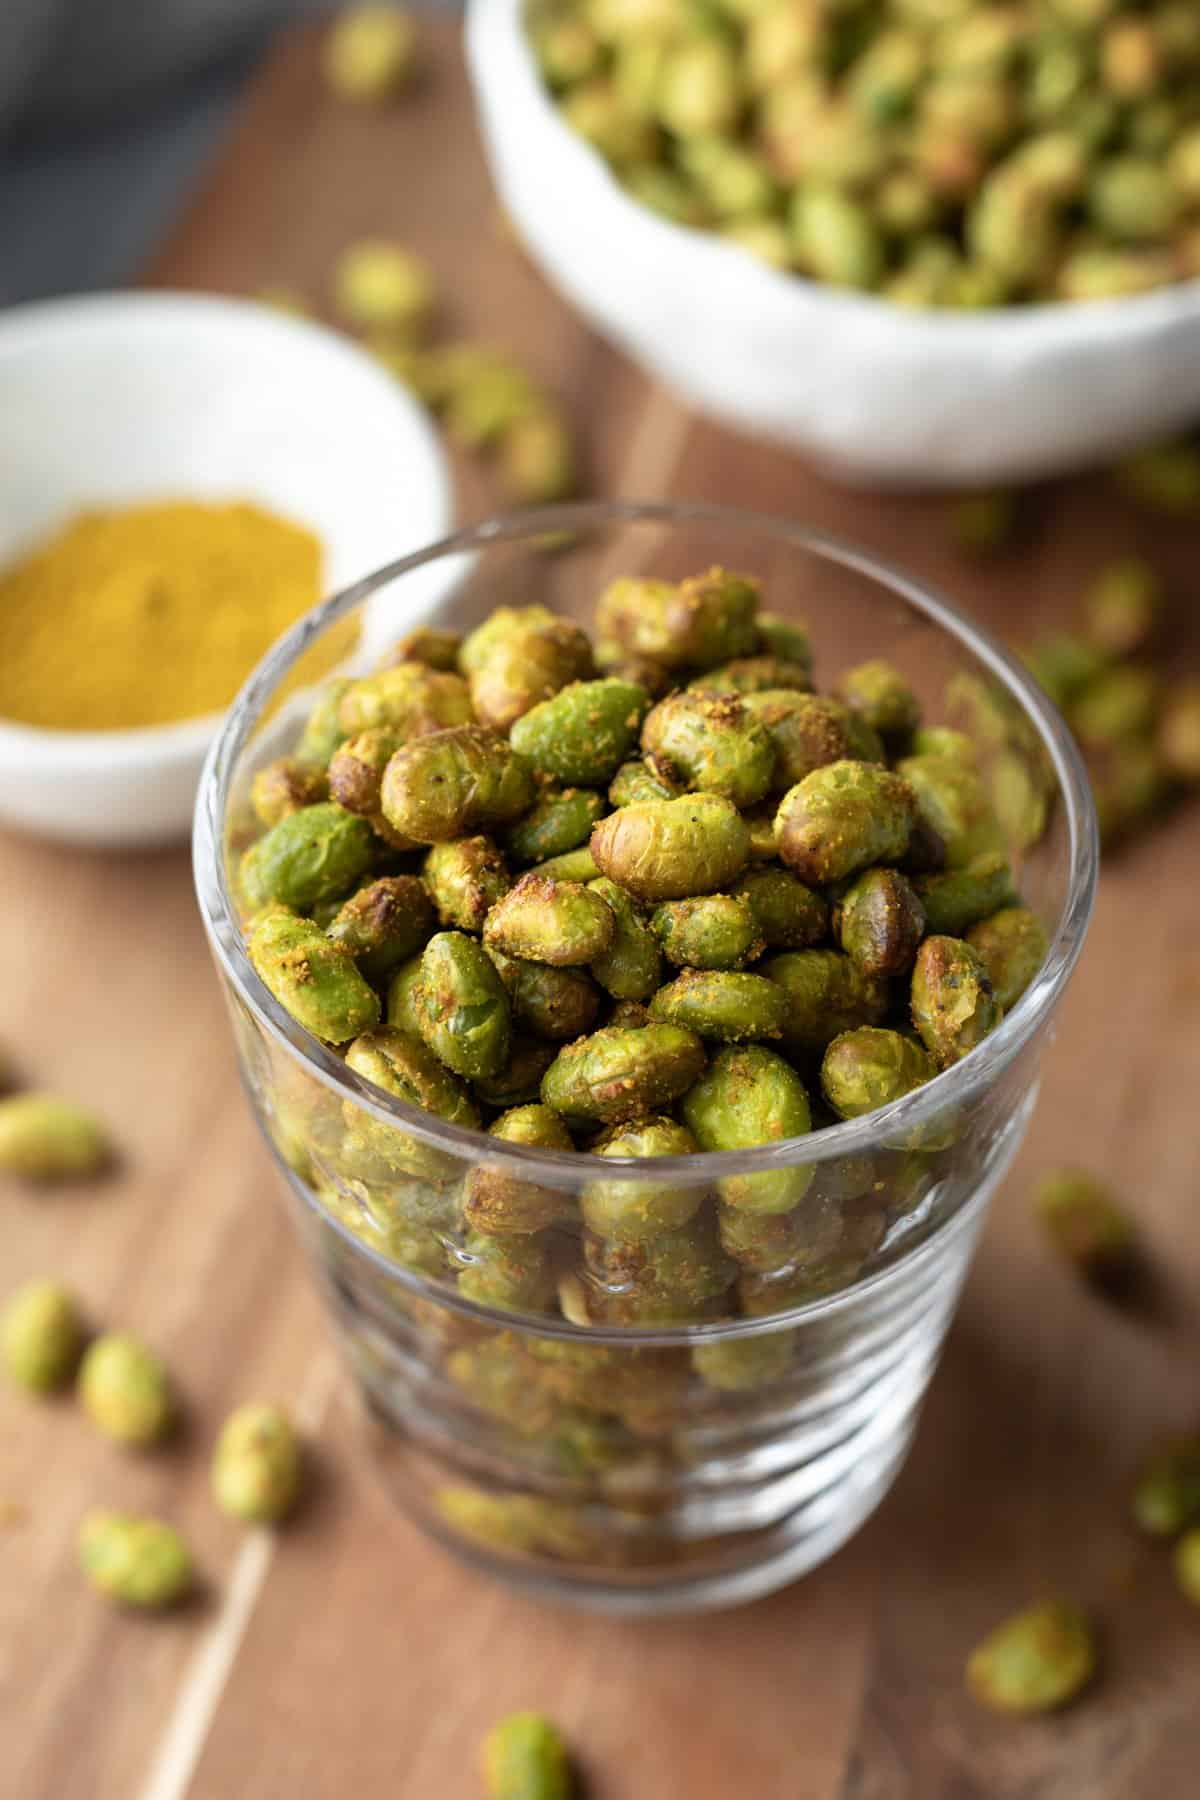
(115, 398)
(878, 393)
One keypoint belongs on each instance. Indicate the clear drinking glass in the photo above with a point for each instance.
(588, 1439)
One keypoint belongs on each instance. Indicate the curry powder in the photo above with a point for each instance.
(143, 615)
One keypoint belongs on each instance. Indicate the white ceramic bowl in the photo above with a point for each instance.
(114, 398)
(879, 394)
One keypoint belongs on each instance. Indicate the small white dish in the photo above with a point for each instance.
(110, 399)
(880, 394)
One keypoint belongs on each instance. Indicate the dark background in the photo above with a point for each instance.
(108, 109)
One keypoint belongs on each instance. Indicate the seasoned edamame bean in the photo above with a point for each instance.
(713, 744)
(125, 1390)
(404, 1066)
(637, 780)
(750, 1096)
(671, 849)
(41, 1336)
(714, 931)
(286, 786)
(465, 879)
(323, 731)
(450, 783)
(843, 817)
(953, 1006)
(312, 855)
(955, 899)
(561, 923)
(868, 1068)
(669, 1278)
(879, 921)
(312, 977)
(383, 924)
(519, 657)
(553, 1003)
(256, 1466)
(728, 1005)
(697, 623)
(754, 675)
(881, 696)
(631, 967)
(461, 1006)
(583, 735)
(559, 821)
(499, 1201)
(356, 770)
(635, 1210)
(514, 1273)
(789, 916)
(807, 731)
(619, 1073)
(952, 799)
(825, 993)
(138, 1562)
(1012, 945)
(408, 698)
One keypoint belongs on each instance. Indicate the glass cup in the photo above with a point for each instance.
(700, 1408)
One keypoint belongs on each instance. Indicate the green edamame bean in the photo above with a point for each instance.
(952, 798)
(953, 1006)
(697, 623)
(843, 817)
(636, 1210)
(723, 1004)
(881, 696)
(583, 735)
(465, 878)
(868, 1067)
(559, 1004)
(631, 967)
(561, 923)
(519, 657)
(748, 1097)
(356, 771)
(879, 921)
(312, 855)
(497, 1201)
(313, 978)
(713, 744)
(955, 899)
(451, 783)
(789, 916)
(618, 1073)
(825, 993)
(637, 781)
(384, 924)
(1012, 946)
(713, 931)
(461, 1006)
(559, 821)
(671, 849)
(286, 786)
(807, 731)
(408, 698)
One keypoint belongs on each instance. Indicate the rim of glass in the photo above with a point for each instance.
(978, 1070)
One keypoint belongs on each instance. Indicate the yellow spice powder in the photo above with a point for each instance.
(146, 614)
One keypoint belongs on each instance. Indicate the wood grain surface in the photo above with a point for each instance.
(350, 1658)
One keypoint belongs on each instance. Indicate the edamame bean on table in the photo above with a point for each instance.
(648, 895)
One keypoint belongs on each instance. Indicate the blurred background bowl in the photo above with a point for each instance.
(881, 395)
(117, 398)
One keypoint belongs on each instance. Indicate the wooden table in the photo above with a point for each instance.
(351, 1658)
